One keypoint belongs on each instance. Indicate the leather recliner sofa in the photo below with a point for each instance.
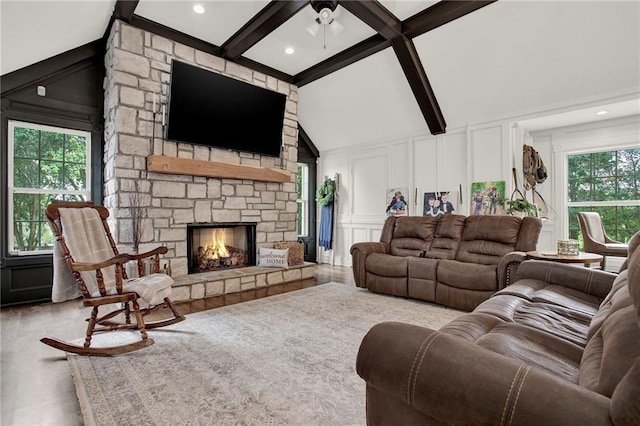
(453, 260)
(560, 346)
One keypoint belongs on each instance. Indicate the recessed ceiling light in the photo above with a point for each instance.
(198, 8)
(603, 112)
(289, 50)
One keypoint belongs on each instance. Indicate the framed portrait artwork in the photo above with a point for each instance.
(438, 203)
(397, 202)
(487, 197)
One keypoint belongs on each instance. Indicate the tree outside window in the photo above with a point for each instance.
(607, 183)
(45, 164)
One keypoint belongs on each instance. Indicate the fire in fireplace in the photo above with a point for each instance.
(219, 246)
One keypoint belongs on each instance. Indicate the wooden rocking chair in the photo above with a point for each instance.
(84, 240)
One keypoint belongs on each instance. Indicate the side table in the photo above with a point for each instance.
(584, 258)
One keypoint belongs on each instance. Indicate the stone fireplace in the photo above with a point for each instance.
(138, 66)
(220, 246)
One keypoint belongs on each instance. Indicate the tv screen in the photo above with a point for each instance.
(210, 109)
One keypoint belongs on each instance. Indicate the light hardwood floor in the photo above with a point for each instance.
(35, 379)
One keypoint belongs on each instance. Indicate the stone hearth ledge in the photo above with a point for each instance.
(216, 283)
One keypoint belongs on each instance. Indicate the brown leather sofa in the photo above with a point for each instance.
(560, 346)
(453, 260)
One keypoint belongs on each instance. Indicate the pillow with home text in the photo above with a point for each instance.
(273, 258)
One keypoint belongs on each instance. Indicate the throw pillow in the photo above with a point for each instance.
(273, 258)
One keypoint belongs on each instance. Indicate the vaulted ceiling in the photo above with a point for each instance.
(397, 68)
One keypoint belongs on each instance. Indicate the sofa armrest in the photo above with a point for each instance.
(587, 280)
(507, 267)
(359, 253)
(456, 382)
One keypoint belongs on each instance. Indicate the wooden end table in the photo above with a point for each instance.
(584, 258)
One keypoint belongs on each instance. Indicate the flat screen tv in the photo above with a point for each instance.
(210, 109)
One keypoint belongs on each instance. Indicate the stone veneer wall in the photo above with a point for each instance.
(138, 65)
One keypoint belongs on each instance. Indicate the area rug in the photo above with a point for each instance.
(282, 360)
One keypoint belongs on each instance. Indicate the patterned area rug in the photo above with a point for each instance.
(282, 360)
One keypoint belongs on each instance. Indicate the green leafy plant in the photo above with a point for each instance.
(520, 205)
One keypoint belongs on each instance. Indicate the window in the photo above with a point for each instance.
(45, 163)
(608, 183)
(302, 198)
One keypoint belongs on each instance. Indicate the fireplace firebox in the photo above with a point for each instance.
(220, 246)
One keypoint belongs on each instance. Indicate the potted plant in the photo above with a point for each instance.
(520, 207)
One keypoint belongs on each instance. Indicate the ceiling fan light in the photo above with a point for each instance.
(314, 28)
(325, 16)
(335, 27)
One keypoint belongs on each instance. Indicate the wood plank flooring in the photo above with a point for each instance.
(35, 380)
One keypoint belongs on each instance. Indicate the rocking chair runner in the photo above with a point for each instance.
(84, 239)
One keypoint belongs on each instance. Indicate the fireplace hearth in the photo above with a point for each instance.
(220, 246)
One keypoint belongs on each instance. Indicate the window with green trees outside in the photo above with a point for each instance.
(302, 199)
(45, 163)
(608, 183)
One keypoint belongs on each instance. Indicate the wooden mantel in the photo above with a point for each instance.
(186, 166)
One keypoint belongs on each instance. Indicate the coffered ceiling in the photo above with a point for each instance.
(397, 68)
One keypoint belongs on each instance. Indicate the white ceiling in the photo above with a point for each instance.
(509, 59)
(219, 22)
(31, 31)
(309, 50)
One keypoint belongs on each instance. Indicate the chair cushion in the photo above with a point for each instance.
(87, 242)
(151, 288)
(594, 227)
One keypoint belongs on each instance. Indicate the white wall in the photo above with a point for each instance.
(477, 153)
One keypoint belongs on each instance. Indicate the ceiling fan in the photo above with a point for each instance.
(326, 18)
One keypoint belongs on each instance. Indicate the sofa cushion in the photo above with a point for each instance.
(556, 320)
(412, 235)
(386, 265)
(421, 283)
(467, 275)
(530, 345)
(501, 229)
(447, 237)
(486, 239)
(415, 227)
(386, 274)
(482, 251)
(614, 343)
(535, 290)
(530, 228)
(534, 347)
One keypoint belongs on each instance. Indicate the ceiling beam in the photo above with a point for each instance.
(410, 62)
(340, 60)
(376, 16)
(123, 9)
(261, 25)
(439, 14)
(380, 19)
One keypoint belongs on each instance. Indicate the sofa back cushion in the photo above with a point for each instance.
(412, 235)
(387, 230)
(613, 345)
(530, 228)
(447, 237)
(486, 239)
